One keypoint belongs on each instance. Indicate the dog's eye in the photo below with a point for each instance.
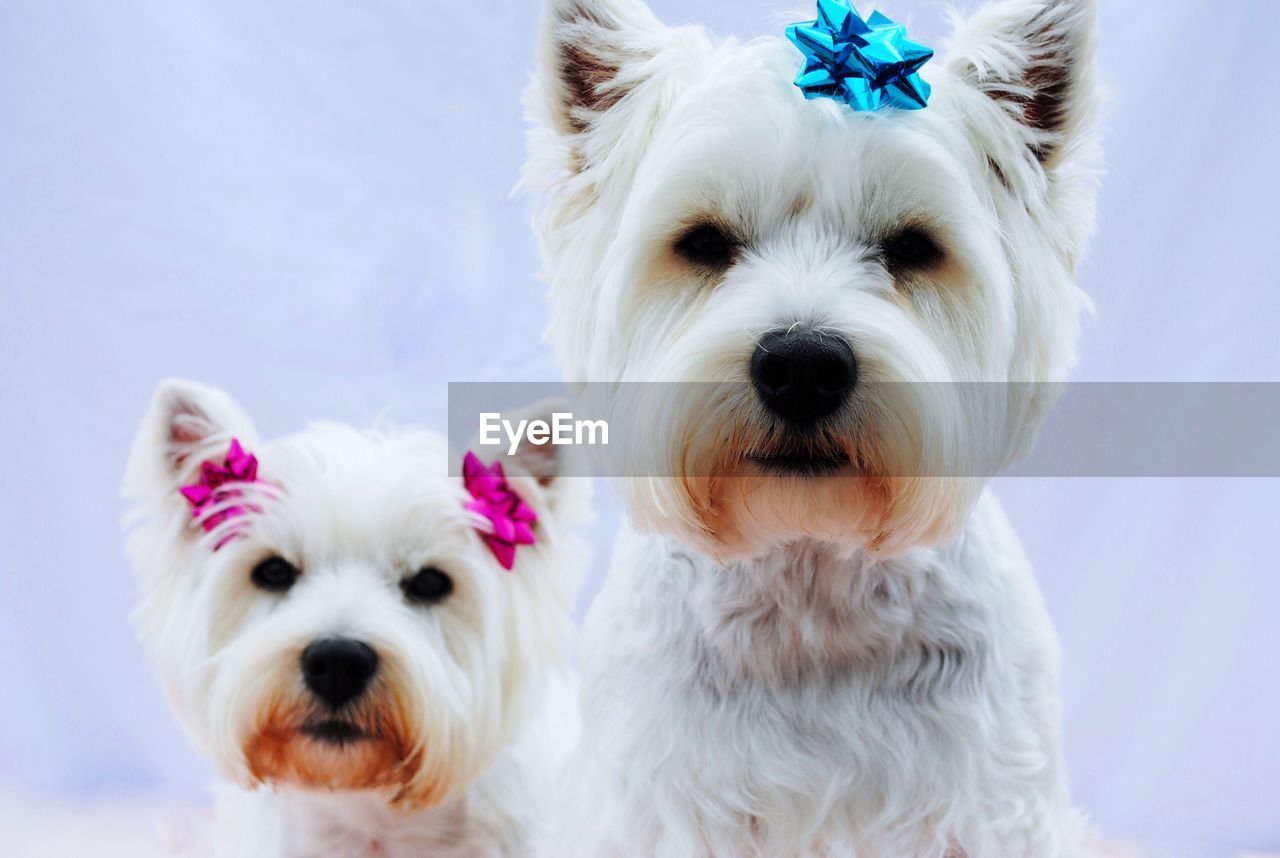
(427, 587)
(275, 575)
(708, 246)
(912, 249)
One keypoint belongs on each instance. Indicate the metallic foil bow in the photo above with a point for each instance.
(866, 64)
(511, 518)
(213, 498)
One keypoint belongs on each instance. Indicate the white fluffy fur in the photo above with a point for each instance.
(850, 665)
(471, 707)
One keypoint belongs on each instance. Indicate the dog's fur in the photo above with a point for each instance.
(855, 664)
(470, 713)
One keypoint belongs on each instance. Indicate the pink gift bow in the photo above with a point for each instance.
(511, 517)
(217, 486)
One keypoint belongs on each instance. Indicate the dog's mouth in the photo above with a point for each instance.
(335, 731)
(802, 463)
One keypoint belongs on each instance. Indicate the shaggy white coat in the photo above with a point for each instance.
(471, 711)
(854, 665)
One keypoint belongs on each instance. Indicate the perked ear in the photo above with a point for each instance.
(186, 424)
(1035, 59)
(585, 49)
(560, 473)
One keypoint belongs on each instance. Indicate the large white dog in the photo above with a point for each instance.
(820, 636)
(372, 675)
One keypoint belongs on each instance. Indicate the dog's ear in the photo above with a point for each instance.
(186, 424)
(589, 56)
(1035, 60)
(559, 474)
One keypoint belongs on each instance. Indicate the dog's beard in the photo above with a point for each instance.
(882, 477)
(368, 745)
(374, 744)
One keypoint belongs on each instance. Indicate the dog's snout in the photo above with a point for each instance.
(803, 376)
(338, 670)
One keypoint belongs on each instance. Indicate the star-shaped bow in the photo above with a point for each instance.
(512, 519)
(866, 64)
(217, 485)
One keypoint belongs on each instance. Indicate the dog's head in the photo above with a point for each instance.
(336, 620)
(850, 278)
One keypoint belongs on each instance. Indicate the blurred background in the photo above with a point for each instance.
(310, 205)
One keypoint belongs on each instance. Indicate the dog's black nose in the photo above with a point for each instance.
(803, 376)
(338, 670)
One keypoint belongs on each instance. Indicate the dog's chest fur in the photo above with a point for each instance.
(862, 708)
(493, 817)
(294, 824)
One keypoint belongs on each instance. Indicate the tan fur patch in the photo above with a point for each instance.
(388, 755)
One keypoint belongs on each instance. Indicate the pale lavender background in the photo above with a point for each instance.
(308, 203)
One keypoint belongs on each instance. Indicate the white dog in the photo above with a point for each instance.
(337, 633)
(821, 636)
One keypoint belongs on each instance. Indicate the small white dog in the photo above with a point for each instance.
(338, 634)
(821, 637)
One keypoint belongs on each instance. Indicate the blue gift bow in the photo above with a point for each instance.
(866, 64)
